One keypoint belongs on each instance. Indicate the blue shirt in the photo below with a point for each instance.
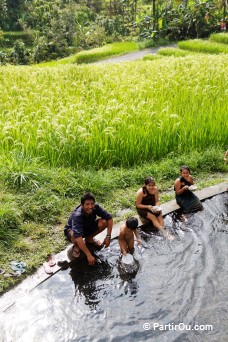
(83, 224)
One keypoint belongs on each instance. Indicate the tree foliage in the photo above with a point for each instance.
(62, 26)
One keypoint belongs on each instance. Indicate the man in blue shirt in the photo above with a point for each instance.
(86, 221)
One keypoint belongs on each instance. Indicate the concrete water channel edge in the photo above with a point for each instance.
(27, 285)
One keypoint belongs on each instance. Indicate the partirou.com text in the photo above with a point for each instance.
(177, 327)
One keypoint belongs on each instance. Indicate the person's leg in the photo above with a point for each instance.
(130, 243)
(154, 219)
(101, 224)
(75, 249)
(125, 246)
(160, 219)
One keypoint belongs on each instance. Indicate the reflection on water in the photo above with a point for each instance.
(183, 281)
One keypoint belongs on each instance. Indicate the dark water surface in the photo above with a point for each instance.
(180, 290)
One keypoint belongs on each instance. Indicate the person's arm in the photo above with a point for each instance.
(156, 197)
(177, 186)
(121, 241)
(191, 180)
(225, 156)
(100, 212)
(81, 244)
(138, 201)
(107, 239)
(137, 237)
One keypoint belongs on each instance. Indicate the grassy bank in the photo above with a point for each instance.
(33, 215)
(216, 44)
(97, 54)
(204, 46)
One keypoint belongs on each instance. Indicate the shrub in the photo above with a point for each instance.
(3, 58)
(150, 42)
(46, 50)
(19, 55)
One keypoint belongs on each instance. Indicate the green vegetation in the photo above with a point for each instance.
(80, 114)
(199, 45)
(68, 129)
(33, 215)
(174, 52)
(9, 38)
(215, 45)
(150, 42)
(60, 28)
(219, 37)
(151, 57)
(90, 56)
(97, 54)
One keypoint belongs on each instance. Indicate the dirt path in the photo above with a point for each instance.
(133, 55)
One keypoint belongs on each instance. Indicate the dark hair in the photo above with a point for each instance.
(132, 223)
(184, 167)
(149, 180)
(87, 196)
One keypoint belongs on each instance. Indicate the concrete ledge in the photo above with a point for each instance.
(9, 298)
(171, 206)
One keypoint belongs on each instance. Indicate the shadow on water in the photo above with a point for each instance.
(177, 291)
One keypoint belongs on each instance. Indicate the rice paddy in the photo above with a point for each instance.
(205, 46)
(116, 115)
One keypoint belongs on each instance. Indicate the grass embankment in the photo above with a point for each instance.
(219, 38)
(70, 129)
(216, 44)
(167, 52)
(32, 217)
(106, 51)
(199, 45)
(97, 54)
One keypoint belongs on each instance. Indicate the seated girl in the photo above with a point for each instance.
(147, 205)
(185, 198)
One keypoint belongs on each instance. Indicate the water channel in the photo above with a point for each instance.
(179, 291)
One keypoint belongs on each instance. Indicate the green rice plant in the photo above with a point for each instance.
(170, 51)
(21, 171)
(151, 57)
(9, 224)
(101, 116)
(205, 46)
(221, 37)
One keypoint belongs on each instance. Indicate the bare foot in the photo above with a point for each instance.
(167, 235)
(170, 237)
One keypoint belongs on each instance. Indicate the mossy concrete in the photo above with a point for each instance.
(9, 298)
